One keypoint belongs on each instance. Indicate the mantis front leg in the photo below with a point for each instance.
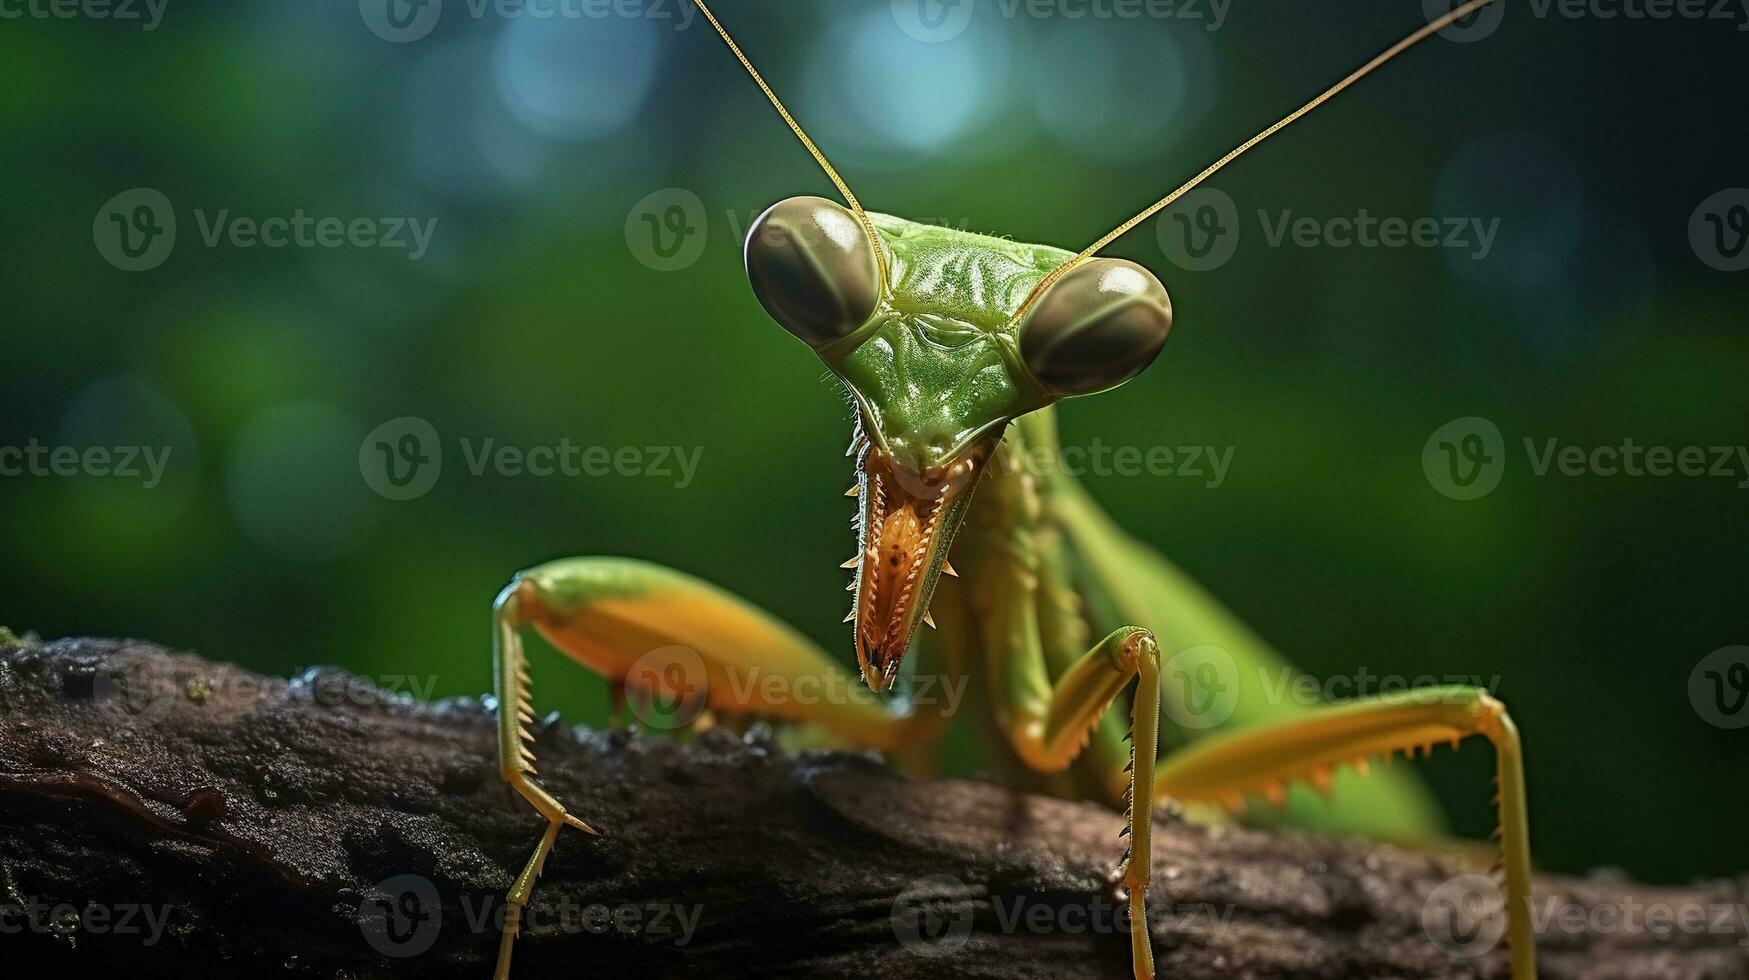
(1048, 736)
(607, 613)
(1263, 759)
(1048, 701)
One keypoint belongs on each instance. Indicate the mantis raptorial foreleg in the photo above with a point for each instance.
(1048, 740)
(1258, 743)
(611, 613)
(1263, 759)
(1047, 703)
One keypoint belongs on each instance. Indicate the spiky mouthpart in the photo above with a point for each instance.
(905, 523)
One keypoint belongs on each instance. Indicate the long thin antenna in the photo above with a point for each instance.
(795, 127)
(1438, 24)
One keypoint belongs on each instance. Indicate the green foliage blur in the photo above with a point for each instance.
(543, 311)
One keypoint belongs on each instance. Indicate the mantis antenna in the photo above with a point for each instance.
(795, 127)
(1438, 24)
(1425, 31)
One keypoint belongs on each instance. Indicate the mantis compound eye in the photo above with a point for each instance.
(1096, 327)
(812, 268)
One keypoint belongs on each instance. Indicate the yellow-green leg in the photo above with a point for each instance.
(1049, 733)
(1264, 759)
(650, 627)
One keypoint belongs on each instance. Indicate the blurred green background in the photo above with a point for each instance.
(538, 314)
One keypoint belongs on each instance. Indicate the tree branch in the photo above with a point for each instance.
(177, 817)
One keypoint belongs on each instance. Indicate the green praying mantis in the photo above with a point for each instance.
(953, 348)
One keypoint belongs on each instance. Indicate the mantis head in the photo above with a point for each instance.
(942, 338)
(940, 343)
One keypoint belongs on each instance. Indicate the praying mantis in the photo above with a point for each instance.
(953, 348)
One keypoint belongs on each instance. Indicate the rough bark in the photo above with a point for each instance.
(265, 825)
